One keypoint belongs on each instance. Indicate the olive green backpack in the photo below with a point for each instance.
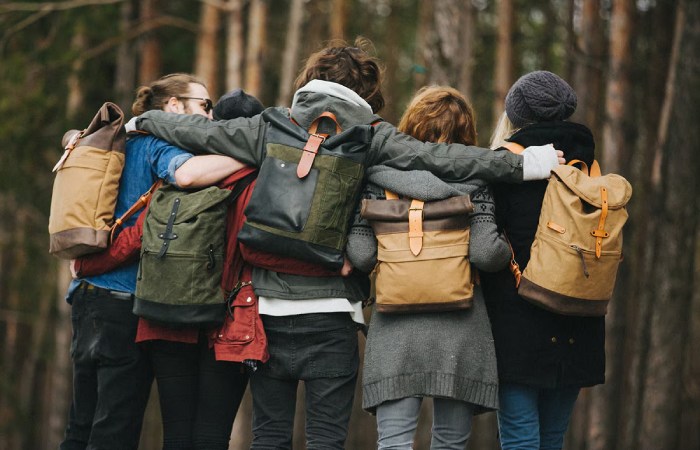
(182, 255)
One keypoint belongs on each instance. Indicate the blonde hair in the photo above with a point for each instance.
(504, 129)
(440, 114)
(157, 94)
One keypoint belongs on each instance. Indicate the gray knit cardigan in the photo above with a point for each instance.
(449, 354)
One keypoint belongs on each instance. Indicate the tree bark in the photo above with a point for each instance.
(206, 65)
(677, 216)
(151, 62)
(234, 45)
(605, 400)
(503, 67)
(125, 75)
(338, 19)
(255, 50)
(291, 52)
(588, 75)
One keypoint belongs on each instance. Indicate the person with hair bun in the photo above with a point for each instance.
(112, 375)
(446, 356)
(544, 358)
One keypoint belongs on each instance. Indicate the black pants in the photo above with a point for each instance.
(199, 396)
(111, 376)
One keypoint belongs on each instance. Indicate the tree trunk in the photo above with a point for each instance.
(677, 217)
(206, 66)
(256, 39)
(338, 19)
(234, 45)
(467, 31)
(424, 29)
(151, 63)
(125, 75)
(503, 67)
(588, 53)
(291, 52)
(605, 400)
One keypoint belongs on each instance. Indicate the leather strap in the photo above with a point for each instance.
(600, 232)
(514, 147)
(583, 166)
(390, 195)
(513, 264)
(144, 200)
(314, 143)
(415, 226)
(168, 235)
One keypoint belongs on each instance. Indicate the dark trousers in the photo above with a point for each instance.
(321, 350)
(111, 376)
(199, 396)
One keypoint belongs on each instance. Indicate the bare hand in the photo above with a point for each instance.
(347, 268)
(73, 273)
(560, 155)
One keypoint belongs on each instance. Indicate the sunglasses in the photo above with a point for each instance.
(208, 105)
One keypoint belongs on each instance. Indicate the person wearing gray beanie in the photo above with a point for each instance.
(543, 358)
(237, 103)
(539, 96)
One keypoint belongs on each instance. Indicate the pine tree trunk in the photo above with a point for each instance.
(234, 45)
(291, 52)
(150, 55)
(206, 66)
(338, 19)
(587, 80)
(255, 50)
(503, 69)
(605, 401)
(677, 218)
(125, 75)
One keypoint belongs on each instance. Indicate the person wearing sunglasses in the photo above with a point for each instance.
(112, 374)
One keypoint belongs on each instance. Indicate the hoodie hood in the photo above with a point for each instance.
(319, 96)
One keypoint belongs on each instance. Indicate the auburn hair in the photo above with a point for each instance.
(157, 94)
(351, 66)
(440, 114)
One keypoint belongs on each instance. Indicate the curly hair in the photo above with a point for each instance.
(440, 114)
(157, 94)
(351, 66)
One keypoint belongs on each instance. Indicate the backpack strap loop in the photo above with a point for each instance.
(390, 195)
(314, 143)
(144, 200)
(600, 232)
(169, 235)
(415, 226)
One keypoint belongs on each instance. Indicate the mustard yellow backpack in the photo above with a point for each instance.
(578, 244)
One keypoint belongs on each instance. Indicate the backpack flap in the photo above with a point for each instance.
(578, 244)
(417, 246)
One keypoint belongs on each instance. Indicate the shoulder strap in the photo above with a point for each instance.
(144, 200)
(513, 147)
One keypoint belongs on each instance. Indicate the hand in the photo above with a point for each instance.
(130, 126)
(347, 268)
(71, 265)
(539, 161)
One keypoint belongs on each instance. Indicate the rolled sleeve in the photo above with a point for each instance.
(175, 164)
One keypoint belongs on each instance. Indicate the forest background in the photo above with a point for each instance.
(634, 64)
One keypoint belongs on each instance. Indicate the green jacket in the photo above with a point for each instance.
(244, 138)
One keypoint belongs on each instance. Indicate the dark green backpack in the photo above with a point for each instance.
(182, 252)
(307, 189)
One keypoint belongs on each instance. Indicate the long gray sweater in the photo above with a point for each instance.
(448, 354)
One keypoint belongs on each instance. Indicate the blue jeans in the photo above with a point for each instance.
(111, 376)
(321, 350)
(532, 418)
(397, 421)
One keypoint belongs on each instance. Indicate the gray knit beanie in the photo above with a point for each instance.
(237, 103)
(538, 97)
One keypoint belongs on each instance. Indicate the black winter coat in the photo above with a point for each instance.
(536, 347)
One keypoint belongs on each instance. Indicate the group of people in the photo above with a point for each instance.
(501, 354)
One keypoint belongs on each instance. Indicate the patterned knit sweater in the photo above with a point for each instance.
(449, 354)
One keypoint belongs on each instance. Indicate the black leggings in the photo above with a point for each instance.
(199, 396)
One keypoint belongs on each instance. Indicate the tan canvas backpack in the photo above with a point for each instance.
(578, 244)
(86, 185)
(422, 257)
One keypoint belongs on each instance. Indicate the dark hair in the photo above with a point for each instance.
(351, 66)
(157, 94)
(440, 114)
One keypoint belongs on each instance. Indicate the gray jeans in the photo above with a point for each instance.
(321, 350)
(397, 421)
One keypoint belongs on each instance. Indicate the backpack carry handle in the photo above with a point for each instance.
(314, 143)
(594, 170)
